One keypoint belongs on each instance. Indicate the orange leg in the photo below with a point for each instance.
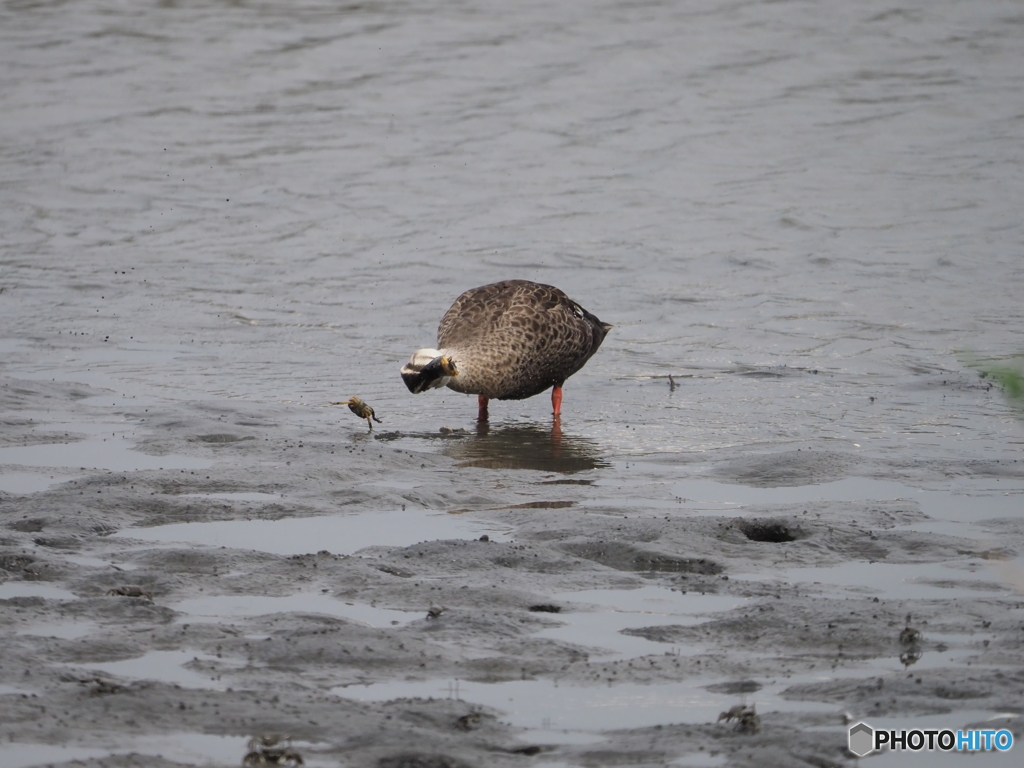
(556, 400)
(482, 412)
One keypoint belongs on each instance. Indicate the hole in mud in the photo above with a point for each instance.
(770, 531)
(624, 557)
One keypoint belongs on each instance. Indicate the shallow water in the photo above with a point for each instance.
(236, 606)
(282, 212)
(547, 708)
(340, 534)
(24, 755)
(94, 454)
(618, 609)
(549, 705)
(13, 589)
(163, 666)
(215, 219)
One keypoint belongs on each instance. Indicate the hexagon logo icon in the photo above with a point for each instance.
(862, 739)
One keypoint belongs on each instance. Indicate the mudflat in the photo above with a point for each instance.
(501, 596)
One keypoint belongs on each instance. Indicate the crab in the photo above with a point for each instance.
(102, 687)
(360, 409)
(98, 686)
(747, 719)
(284, 756)
(272, 750)
(130, 590)
(468, 722)
(910, 657)
(909, 635)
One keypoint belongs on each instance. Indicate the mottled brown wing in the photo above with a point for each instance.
(573, 336)
(476, 313)
(532, 336)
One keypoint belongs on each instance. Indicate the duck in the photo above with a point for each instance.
(508, 341)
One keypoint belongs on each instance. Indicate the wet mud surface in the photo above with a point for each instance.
(557, 624)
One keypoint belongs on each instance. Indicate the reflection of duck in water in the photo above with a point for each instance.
(508, 341)
(524, 446)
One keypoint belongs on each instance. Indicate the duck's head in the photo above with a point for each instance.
(428, 369)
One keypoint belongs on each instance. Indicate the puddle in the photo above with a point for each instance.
(959, 648)
(899, 581)
(17, 755)
(619, 609)
(190, 748)
(25, 483)
(956, 506)
(338, 534)
(65, 630)
(162, 666)
(554, 712)
(547, 705)
(219, 608)
(955, 528)
(113, 453)
(10, 690)
(11, 589)
(552, 707)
